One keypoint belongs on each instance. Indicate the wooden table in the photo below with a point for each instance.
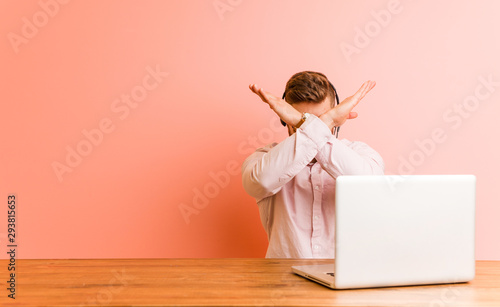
(219, 282)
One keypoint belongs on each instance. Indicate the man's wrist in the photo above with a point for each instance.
(328, 121)
(304, 117)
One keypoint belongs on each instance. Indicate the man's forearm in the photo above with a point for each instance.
(337, 158)
(264, 173)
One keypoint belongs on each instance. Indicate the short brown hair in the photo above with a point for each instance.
(308, 86)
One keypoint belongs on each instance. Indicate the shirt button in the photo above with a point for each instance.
(316, 217)
(316, 187)
(316, 246)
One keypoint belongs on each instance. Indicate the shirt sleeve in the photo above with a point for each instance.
(357, 158)
(268, 169)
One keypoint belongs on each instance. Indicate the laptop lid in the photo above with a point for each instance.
(404, 230)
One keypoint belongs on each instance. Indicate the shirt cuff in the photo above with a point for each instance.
(316, 130)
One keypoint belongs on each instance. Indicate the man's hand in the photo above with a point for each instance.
(337, 116)
(285, 111)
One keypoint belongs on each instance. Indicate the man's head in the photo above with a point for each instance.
(309, 92)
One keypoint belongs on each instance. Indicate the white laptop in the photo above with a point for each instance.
(400, 230)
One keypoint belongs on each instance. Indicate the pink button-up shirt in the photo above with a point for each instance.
(296, 198)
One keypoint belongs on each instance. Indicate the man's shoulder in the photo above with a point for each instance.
(259, 152)
(354, 144)
(347, 142)
(267, 147)
(364, 149)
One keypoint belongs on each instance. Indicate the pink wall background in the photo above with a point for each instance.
(189, 130)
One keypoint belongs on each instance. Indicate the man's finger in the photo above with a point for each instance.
(364, 89)
(352, 115)
(254, 88)
(271, 99)
(367, 89)
(264, 95)
(361, 90)
(259, 92)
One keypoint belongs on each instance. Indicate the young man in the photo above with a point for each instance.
(293, 182)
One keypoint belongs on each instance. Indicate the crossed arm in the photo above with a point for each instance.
(267, 170)
(335, 117)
